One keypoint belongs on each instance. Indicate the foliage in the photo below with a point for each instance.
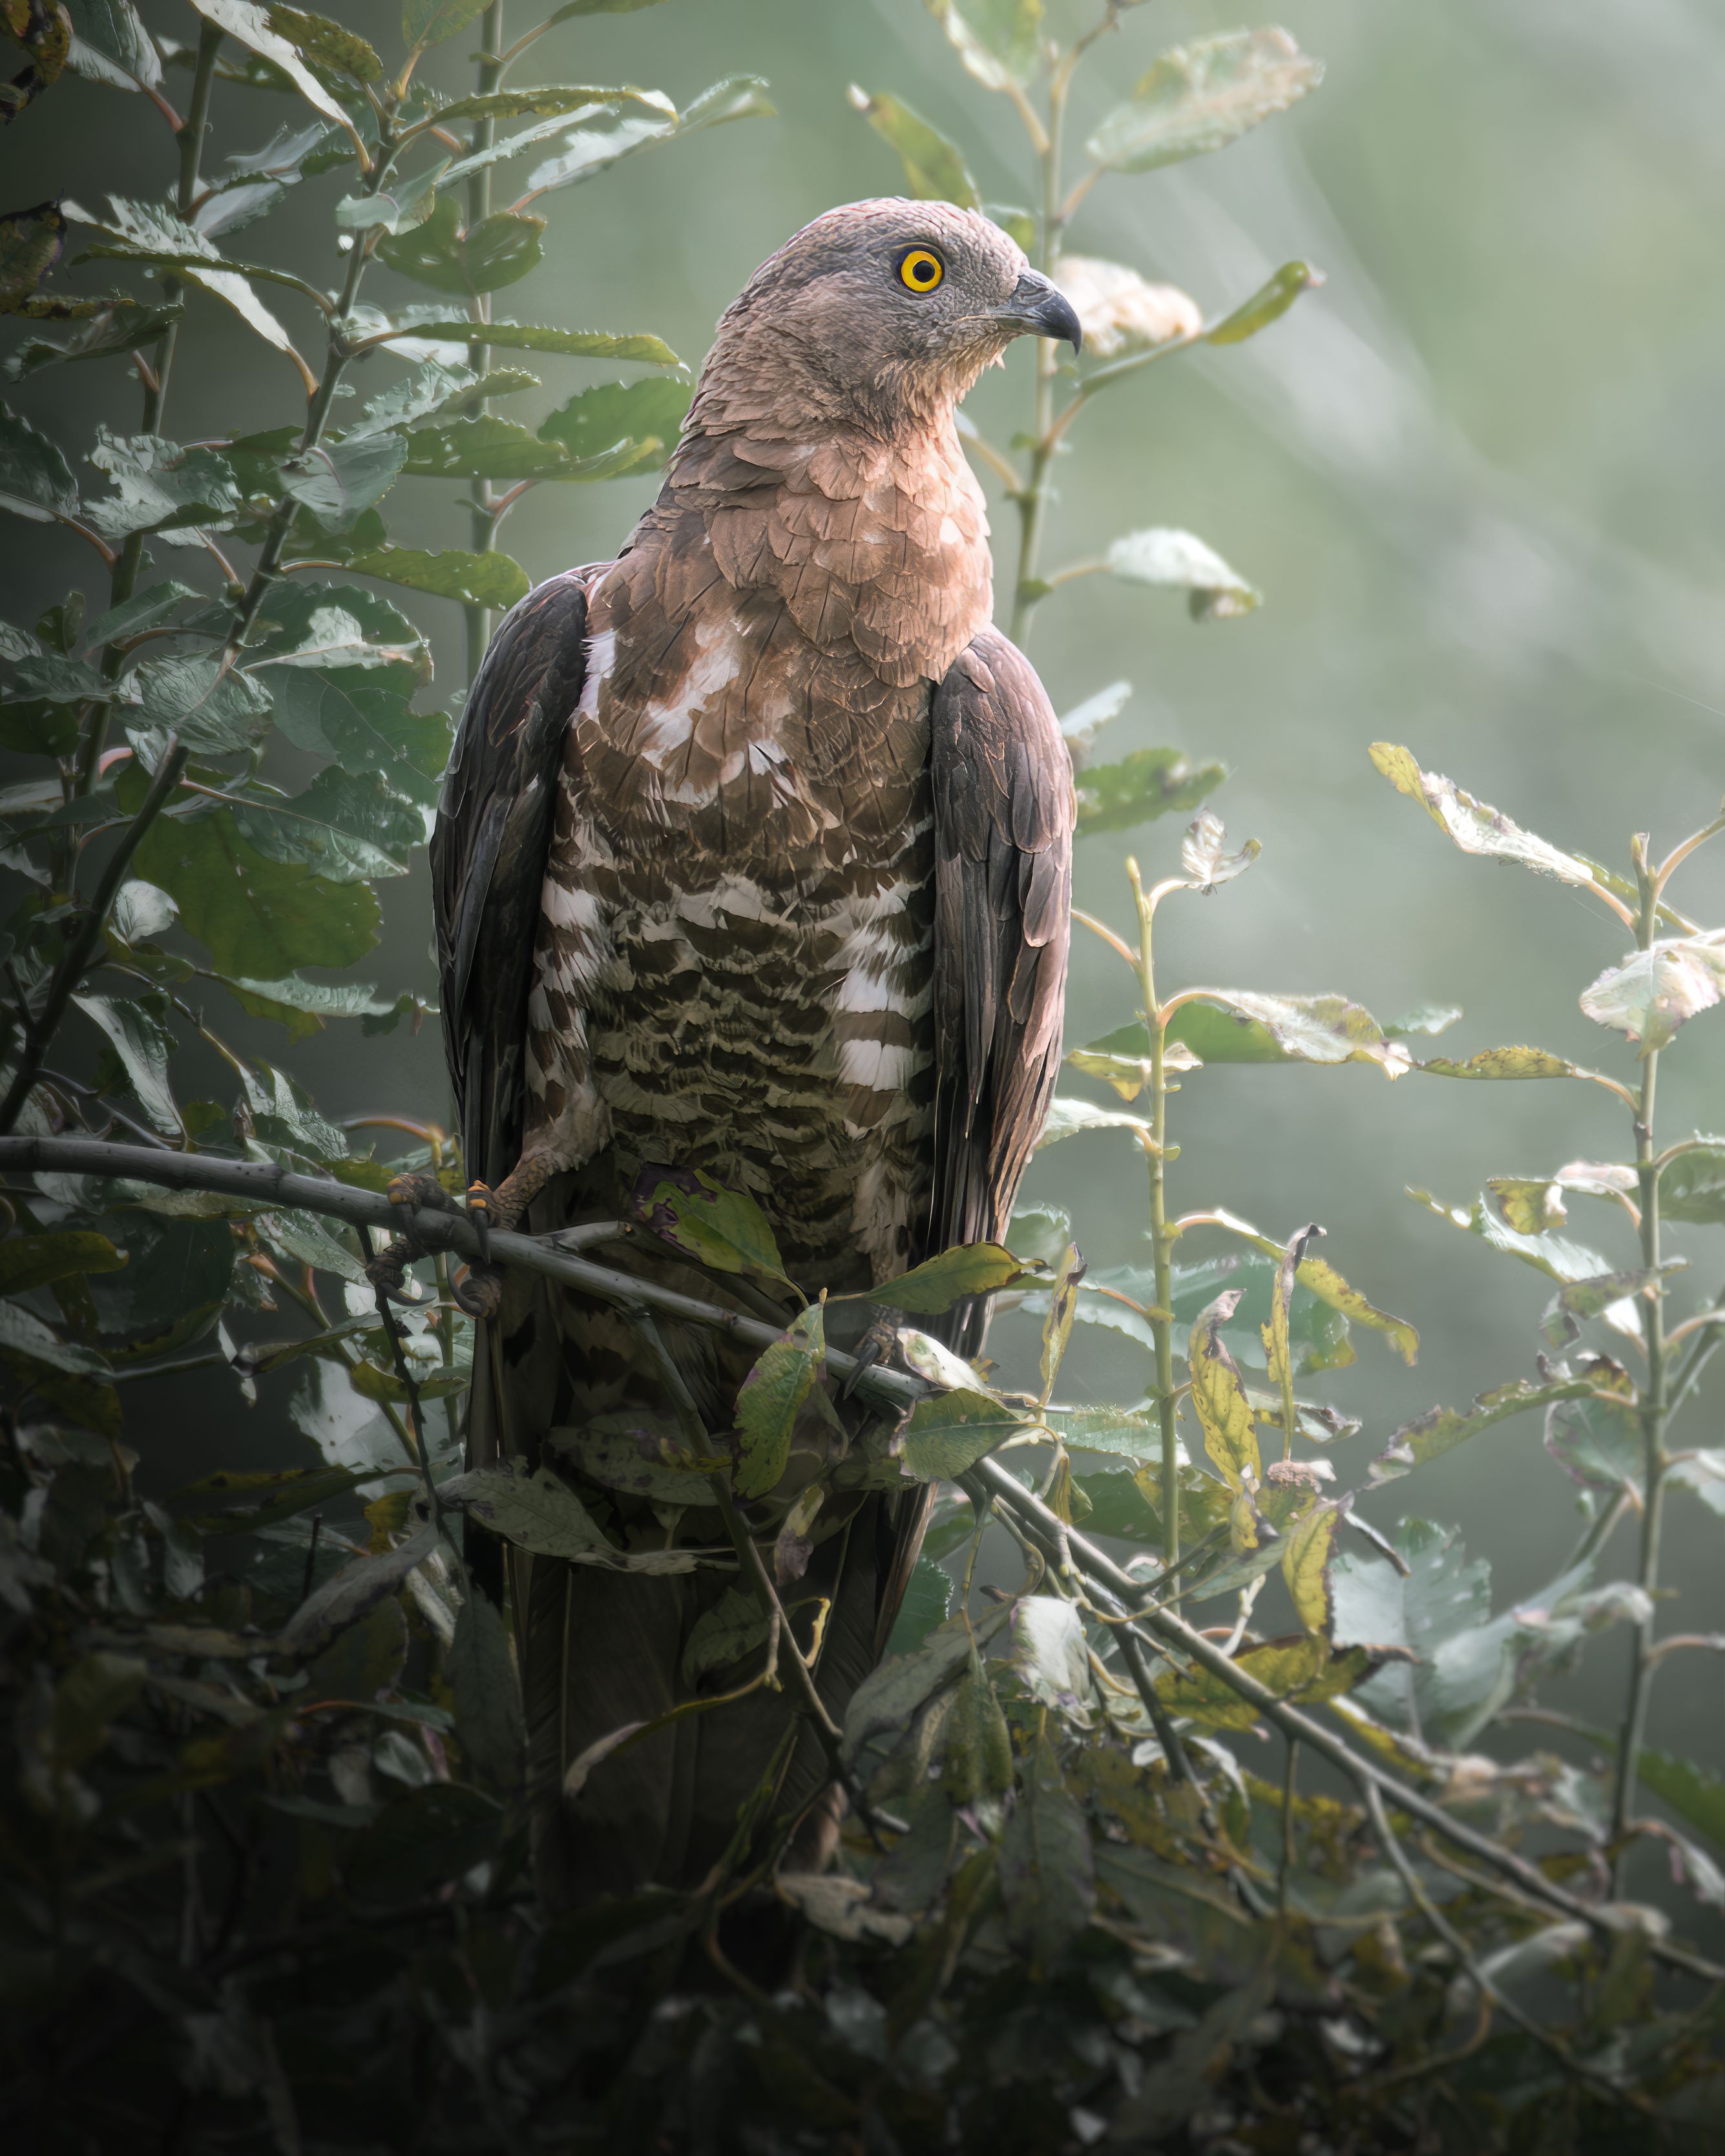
(262, 1839)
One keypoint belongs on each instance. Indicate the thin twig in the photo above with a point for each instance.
(1482, 1983)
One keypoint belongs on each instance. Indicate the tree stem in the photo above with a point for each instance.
(123, 579)
(1161, 1242)
(1653, 1409)
(1033, 496)
(483, 515)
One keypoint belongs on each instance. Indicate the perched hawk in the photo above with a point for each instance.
(753, 856)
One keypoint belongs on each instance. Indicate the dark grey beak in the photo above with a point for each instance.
(1040, 307)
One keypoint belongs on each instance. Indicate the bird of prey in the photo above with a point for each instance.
(753, 857)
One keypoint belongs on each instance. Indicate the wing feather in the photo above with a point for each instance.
(1004, 811)
(1003, 823)
(488, 855)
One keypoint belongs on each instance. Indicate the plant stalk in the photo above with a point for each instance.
(1161, 1242)
(483, 515)
(1032, 497)
(1653, 1407)
(123, 580)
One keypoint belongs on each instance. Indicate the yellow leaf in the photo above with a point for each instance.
(1230, 1433)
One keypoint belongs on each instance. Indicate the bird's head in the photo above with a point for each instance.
(890, 309)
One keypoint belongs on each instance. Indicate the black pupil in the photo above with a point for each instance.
(921, 271)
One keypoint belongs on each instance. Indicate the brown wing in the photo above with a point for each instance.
(1003, 823)
(1004, 811)
(488, 855)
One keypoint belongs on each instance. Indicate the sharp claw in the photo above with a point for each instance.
(478, 1289)
(481, 1200)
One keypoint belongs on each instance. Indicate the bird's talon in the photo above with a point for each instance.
(478, 1289)
(482, 1203)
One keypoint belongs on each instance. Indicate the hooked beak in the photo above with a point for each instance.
(1040, 307)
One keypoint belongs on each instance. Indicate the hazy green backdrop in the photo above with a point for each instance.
(1477, 475)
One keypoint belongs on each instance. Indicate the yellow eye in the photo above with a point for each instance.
(921, 270)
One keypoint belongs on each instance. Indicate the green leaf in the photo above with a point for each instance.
(649, 413)
(1224, 1411)
(146, 233)
(1691, 1791)
(1148, 783)
(1268, 304)
(330, 45)
(1597, 1438)
(488, 580)
(1503, 1063)
(1106, 1429)
(258, 918)
(1554, 1256)
(1304, 1672)
(586, 152)
(724, 1230)
(430, 21)
(366, 1661)
(30, 243)
(524, 336)
(1656, 991)
(1080, 727)
(277, 1494)
(499, 250)
(1572, 1304)
(150, 608)
(551, 98)
(348, 828)
(426, 1837)
(484, 448)
(736, 1625)
(771, 1398)
(934, 169)
(302, 1006)
(111, 332)
(37, 1260)
(891, 1694)
(111, 44)
(539, 1512)
(489, 1720)
(1302, 1029)
(968, 1269)
(999, 41)
(571, 8)
(143, 1045)
(158, 486)
(944, 1436)
(1203, 96)
(1308, 1549)
(1466, 1659)
(1441, 1429)
(1693, 1187)
(220, 712)
(35, 480)
(1066, 1117)
(638, 1453)
(928, 1599)
(338, 480)
(1178, 561)
(251, 26)
(979, 1746)
(1475, 826)
(404, 204)
(1047, 1872)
